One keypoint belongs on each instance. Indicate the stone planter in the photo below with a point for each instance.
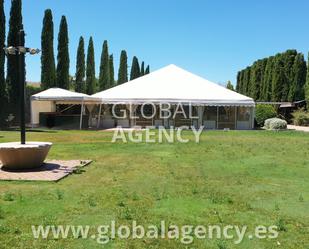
(16, 156)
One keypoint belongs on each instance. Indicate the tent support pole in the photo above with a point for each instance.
(235, 117)
(81, 116)
(217, 117)
(99, 118)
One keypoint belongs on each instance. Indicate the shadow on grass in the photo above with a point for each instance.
(30, 130)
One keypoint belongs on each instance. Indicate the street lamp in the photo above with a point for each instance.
(20, 52)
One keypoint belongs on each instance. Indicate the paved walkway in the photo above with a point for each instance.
(298, 128)
(52, 170)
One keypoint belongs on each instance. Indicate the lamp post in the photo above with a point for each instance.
(20, 52)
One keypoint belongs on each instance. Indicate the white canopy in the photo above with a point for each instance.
(172, 84)
(62, 95)
(46, 101)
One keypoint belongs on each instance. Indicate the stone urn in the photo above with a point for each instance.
(17, 156)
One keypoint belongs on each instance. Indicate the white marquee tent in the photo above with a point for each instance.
(173, 84)
(46, 101)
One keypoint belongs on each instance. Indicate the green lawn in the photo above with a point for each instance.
(238, 177)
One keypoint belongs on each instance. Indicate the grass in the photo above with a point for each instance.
(236, 177)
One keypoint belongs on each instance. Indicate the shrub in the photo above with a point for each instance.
(300, 117)
(275, 124)
(264, 112)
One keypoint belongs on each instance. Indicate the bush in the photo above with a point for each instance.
(275, 124)
(300, 117)
(264, 112)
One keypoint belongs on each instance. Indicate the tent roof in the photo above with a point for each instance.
(173, 84)
(62, 95)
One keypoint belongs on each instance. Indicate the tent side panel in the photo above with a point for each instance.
(40, 106)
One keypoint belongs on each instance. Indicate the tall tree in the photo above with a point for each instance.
(48, 70)
(279, 79)
(15, 24)
(123, 68)
(267, 80)
(3, 95)
(104, 78)
(63, 60)
(297, 88)
(238, 81)
(80, 67)
(90, 69)
(307, 82)
(111, 70)
(230, 86)
(135, 70)
(147, 70)
(246, 81)
(142, 69)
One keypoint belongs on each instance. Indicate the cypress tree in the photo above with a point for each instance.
(255, 80)
(246, 81)
(111, 71)
(267, 80)
(3, 95)
(90, 69)
(238, 82)
(48, 70)
(230, 86)
(279, 79)
(63, 60)
(15, 24)
(307, 83)
(123, 68)
(297, 90)
(104, 78)
(135, 70)
(288, 58)
(241, 82)
(142, 69)
(147, 70)
(80, 67)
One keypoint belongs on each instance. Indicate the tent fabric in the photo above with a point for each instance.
(62, 95)
(172, 84)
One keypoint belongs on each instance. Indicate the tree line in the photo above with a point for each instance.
(283, 77)
(85, 77)
(55, 73)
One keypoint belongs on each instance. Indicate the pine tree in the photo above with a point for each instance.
(123, 68)
(15, 25)
(142, 69)
(80, 67)
(297, 87)
(104, 78)
(3, 95)
(135, 70)
(63, 60)
(48, 70)
(90, 70)
(147, 70)
(230, 86)
(111, 71)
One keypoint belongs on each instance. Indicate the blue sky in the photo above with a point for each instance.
(213, 39)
